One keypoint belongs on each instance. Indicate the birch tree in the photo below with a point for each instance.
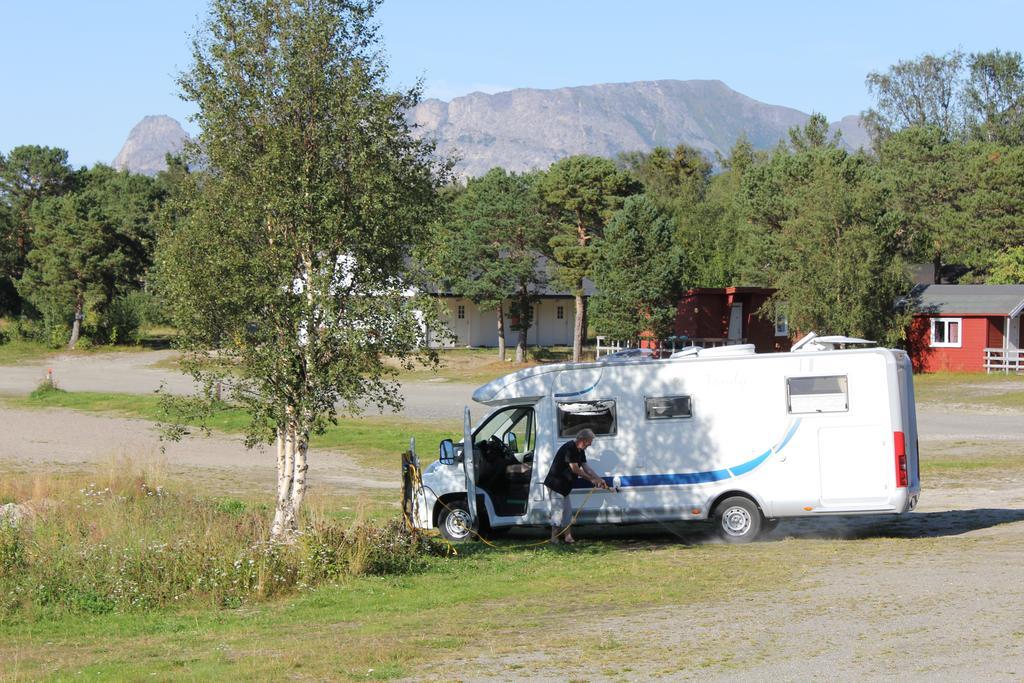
(287, 261)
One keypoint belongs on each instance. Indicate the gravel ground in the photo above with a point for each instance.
(945, 605)
(941, 602)
(134, 373)
(37, 439)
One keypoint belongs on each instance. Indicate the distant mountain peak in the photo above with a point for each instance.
(529, 128)
(151, 140)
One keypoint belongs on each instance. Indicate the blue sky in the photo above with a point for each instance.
(79, 75)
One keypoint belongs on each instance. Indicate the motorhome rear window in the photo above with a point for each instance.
(667, 407)
(825, 394)
(598, 416)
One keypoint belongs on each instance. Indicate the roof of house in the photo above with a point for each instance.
(543, 268)
(999, 300)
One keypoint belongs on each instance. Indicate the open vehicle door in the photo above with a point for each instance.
(469, 466)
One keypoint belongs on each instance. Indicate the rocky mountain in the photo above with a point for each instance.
(528, 128)
(150, 141)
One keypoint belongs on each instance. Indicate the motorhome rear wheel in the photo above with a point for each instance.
(738, 520)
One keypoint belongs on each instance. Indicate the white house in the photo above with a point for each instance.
(554, 316)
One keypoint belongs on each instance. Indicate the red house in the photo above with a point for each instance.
(967, 328)
(729, 315)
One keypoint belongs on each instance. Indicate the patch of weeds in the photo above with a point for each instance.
(230, 506)
(47, 388)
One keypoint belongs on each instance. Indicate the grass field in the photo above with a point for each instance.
(493, 600)
(373, 441)
(479, 366)
(18, 351)
(969, 389)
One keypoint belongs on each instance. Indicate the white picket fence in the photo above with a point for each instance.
(1004, 360)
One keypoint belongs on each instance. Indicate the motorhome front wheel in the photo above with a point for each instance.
(739, 520)
(454, 521)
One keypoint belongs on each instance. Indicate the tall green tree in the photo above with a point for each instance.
(918, 92)
(28, 174)
(721, 246)
(582, 192)
(670, 176)
(290, 259)
(994, 97)
(993, 204)
(1007, 267)
(90, 246)
(638, 273)
(486, 247)
(832, 252)
(926, 177)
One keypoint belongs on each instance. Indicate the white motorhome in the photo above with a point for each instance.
(726, 434)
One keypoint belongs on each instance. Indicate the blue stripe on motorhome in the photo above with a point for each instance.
(789, 435)
(580, 392)
(693, 477)
(749, 465)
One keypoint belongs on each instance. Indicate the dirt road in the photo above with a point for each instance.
(36, 439)
(144, 372)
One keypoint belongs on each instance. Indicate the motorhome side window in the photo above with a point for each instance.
(826, 394)
(596, 415)
(666, 407)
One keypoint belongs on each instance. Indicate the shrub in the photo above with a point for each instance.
(46, 387)
(25, 329)
(123, 319)
(121, 543)
(12, 549)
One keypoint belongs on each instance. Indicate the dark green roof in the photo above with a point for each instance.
(1001, 300)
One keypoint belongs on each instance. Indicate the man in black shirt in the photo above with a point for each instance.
(570, 462)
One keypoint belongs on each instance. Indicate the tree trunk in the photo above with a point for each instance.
(501, 332)
(521, 346)
(292, 464)
(525, 322)
(937, 267)
(578, 330)
(76, 326)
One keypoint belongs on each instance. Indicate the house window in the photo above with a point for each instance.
(599, 416)
(461, 312)
(781, 325)
(947, 332)
(664, 408)
(560, 312)
(823, 394)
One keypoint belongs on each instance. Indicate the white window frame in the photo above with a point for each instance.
(947, 344)
(560, 312)
(781, 325)
(460, 311)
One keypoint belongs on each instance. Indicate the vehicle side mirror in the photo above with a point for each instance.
(512, 442)
(447, 452)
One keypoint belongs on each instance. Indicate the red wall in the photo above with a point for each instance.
(704, 313)
(977, 334)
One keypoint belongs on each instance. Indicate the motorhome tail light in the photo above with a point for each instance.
(900, 446)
